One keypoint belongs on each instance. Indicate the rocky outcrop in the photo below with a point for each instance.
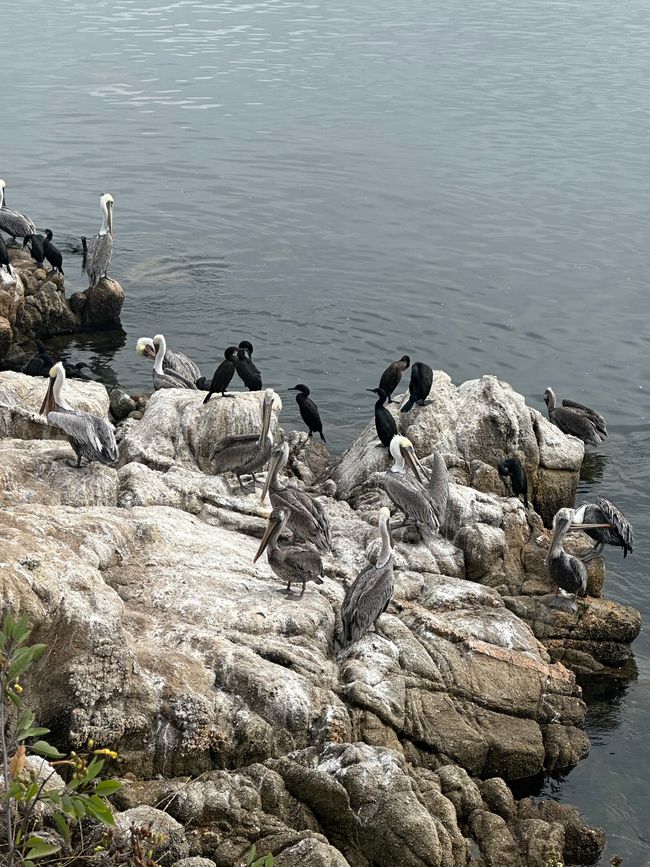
(167, 643)
(33, 304)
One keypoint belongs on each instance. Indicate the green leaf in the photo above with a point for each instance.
(28, 864)
(52, 796)
(94, 768)
(14, 698)
(34, 840)
(32, 733)
(105, 788)
(62, 826)
(98, 808)
(250, 855)
(44, 749)
(20, 662)
(42, 850)
(78, 807)
(21, 630)
(26, 720)
(8, 625)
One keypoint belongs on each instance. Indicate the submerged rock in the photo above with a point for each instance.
(98, 306)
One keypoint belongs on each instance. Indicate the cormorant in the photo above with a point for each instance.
(41, 364)
(36, 247)
(97, 252)
(246, 370)
(419, 386)
(291, 563)
(575, 419)
(391, 377)
(223, 374)
(384, 421)
(4, 256)
(91, 437)
(308, 410)
(52, 253)
(512, 469)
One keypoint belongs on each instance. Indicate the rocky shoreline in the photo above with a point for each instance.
(224, 699)
(33, 304)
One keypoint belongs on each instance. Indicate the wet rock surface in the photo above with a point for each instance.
(169, 645)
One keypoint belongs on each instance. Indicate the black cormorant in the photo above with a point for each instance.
(512, 469)
(384, 421)
(391, 377)
(246, 370)
(419, 386)
(36, 247)
(4, 256)
(223, 374)
(52, 253)
(308, 410)
(41, 364)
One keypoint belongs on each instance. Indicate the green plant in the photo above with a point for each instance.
(83, 793)
(253, 861)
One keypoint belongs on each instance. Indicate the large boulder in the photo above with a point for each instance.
(99, 306)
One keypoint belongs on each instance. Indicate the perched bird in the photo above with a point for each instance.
(248, 453)
(384, 422)
(609, 526)
(419, 386)
(52, 253)
(566, 570)
(391, 377)
(16, 225)
(167, 378)
(36, 247)
(291, 563)
(246, 370)
(575, 419)
(97, 252)
(91, 437)
(75, 370)
(41, 364)
(4, 256)
(308, 410)
(407, 491)
(306, 517)
(439, 489)
(512, 469)
(172, 362)
(367, 599)
(223, 374)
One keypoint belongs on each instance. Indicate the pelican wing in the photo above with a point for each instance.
(94, 436)
(170, 379)
(181, 365)
(15, 224)
(612, 515)
(592, 415)
(366, 600)
(308, 517)
(303, 561)
(439, 488)
(411, 497)
(97, 258)
(232, 451)
(576, 424)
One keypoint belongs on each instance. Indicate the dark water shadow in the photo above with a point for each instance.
(593, 467)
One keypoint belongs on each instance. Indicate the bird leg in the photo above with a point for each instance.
(227, 394)
(241, 484)
(302, 592)
(72, 463)
(592, 553)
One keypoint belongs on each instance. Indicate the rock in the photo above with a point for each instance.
(121, 404)
(168, 843)
(100, 305)
(5, 337)
(21, 398)
(178, 428)
(195, 862)
(45, 313)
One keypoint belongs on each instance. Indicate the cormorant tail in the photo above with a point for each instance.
(84, 248)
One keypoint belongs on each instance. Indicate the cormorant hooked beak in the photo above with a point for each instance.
(274, 522)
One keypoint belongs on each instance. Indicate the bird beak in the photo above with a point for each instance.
(110, 219)
(149, 351)
(411, 459)
(266, 419)
(371, 389)
(557, 532)
(269, 474)
(575, 527)
(48, 404)
(270, 527)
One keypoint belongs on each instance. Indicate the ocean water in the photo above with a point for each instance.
(342, 183)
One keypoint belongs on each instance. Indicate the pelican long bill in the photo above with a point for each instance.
(270, 527)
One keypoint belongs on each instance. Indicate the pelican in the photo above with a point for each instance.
(290, 563)
(439, 488)
(408, 492)
(14, 224)
(367, 599)
(575, 419)
(172, 362)
(609, 526)
(97, 251)
(566, 570)
(305, 515)
(4, 256)
(167, 378)
(91, 437)
(248, 453)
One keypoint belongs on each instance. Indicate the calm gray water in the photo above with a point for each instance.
(345, 182)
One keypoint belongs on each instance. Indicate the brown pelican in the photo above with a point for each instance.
(391, 377)
(306, 517)
(575, 419)
(408, 491)
(290, 563)
(512, 469)
(367, 599)
(91, 437)
(439, 488)
(172, 362)
(4, 256)
(167, 378)
(248, 453)
(419, 386)
(567, 570)
(609, 526)
(97, 251)
(14, 224)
